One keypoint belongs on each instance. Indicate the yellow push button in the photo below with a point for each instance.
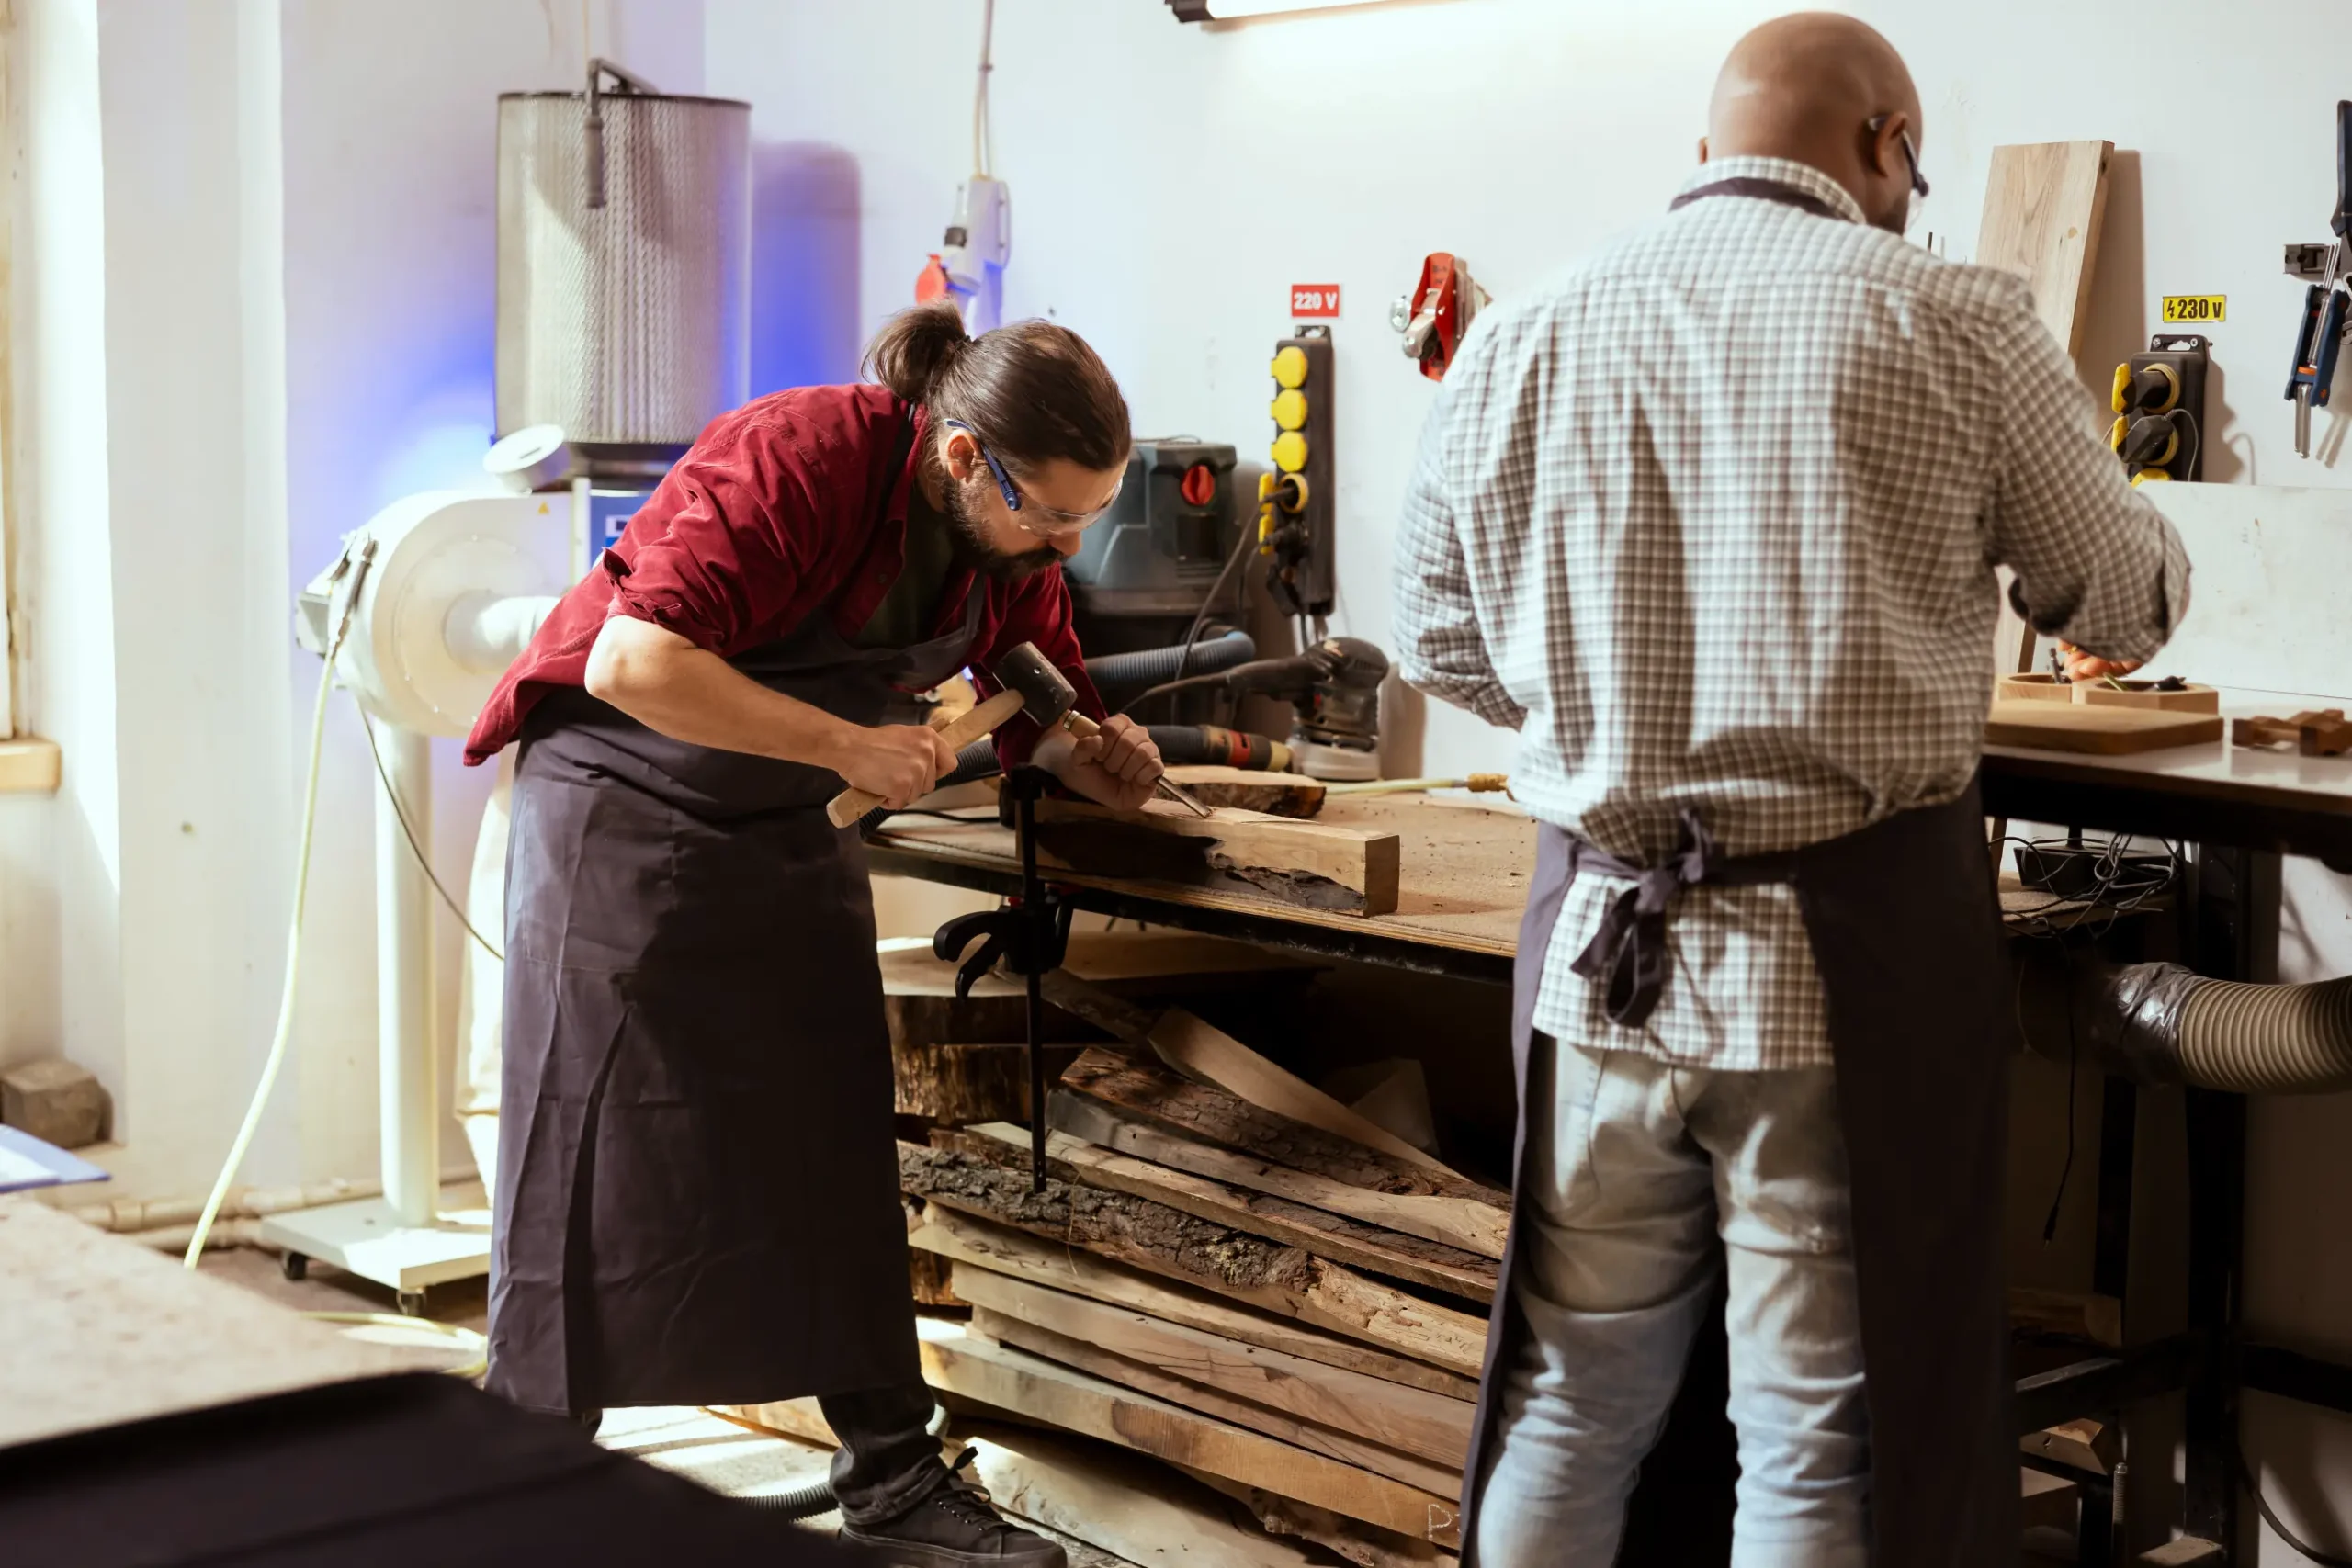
(1290, 367)
(1290, 452)
(1290, 409)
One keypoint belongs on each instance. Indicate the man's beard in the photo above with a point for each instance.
(967, 536)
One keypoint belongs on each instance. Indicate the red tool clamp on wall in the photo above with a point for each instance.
(1434, 317)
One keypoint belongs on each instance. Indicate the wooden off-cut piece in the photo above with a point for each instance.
(919, 1003)
(854, 802)
(1147, 1092)
(1139, 1510)
(1203, 1052)
(2187, 698)
(2104, 731)
(1315, 864)
(957, 1084)
(1335, 1237)
(2080, 1315)
(1456, 1221)
(985, 1178)
(1363, 1545)
(1251, 789)
(2044, 205)
(2316, 733)
(974, 1244)
(2092, 1447)
(1331, 1442)
(1014, 1380)
(1431, 1426)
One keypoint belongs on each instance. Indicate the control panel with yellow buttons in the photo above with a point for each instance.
(1295, 501)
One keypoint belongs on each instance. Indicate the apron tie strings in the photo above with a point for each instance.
(1628, 954)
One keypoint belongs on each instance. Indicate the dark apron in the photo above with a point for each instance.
(697, 1190)
(1905, 932)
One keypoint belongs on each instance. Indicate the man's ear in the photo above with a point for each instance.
(959, 456)
(1702, 149)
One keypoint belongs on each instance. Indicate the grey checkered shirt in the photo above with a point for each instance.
(1711, 520)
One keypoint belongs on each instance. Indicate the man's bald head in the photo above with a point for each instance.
(1806, 87)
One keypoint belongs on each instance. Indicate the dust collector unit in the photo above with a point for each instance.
(623, 267)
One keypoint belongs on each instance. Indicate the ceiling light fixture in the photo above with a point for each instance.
(1227, 10)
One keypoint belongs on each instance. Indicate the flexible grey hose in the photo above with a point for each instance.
(2163, 1024)
(2268, 1039)
(800, 1503)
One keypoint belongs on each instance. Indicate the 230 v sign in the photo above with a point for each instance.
(2195, 306)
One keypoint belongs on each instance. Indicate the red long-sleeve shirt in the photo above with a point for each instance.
(788, 504)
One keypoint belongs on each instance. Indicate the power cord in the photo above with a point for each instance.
(348, 573)
(415, 849)
(1193, 633)
(2262, 1506)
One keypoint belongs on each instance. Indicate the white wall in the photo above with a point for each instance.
(253, 302)
(1169, 182)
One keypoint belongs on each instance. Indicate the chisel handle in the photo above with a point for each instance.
(852, 803)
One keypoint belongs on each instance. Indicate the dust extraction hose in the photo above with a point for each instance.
(800, 1503)
(2163, 1024)
(1120, 676)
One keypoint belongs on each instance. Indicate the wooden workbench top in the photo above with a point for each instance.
(1462, 885)
(101, 1330)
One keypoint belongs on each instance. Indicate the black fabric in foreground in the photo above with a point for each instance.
(391, 1472)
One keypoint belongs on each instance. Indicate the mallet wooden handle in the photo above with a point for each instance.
(852, 803)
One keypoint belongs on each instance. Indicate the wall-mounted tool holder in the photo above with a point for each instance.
(1298, 539)
(2159, 403)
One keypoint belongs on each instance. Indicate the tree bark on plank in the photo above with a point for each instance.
(1168, 1242)
(1430, 1264)
(978, 1243)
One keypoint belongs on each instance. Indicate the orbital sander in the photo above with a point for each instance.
(1334, 692)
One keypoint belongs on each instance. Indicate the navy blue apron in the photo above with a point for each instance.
(697, 1186)
(1905, 932)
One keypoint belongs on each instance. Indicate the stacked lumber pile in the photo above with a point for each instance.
(1228, 1271)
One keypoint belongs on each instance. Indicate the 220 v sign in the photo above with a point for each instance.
(2194, 307)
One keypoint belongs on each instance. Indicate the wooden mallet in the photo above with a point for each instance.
(1049, 698)
(852, 803)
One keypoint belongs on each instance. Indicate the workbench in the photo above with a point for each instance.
(1464, 872)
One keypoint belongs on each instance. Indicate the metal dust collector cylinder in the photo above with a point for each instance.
(623, 267)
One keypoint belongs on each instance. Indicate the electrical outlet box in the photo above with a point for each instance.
(1304, 577)
(2186, 356)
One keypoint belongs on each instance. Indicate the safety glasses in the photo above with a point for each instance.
(1910, 154)
(1031, 515)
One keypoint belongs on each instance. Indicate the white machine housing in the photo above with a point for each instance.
(456, 585)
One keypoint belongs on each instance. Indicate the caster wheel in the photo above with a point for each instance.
(294, 1266)
(412, 1303)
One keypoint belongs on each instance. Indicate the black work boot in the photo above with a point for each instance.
(954, 1526)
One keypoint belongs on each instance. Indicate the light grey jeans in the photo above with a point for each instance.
(1630, 1162)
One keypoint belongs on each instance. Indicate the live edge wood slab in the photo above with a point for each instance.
(1318, 864)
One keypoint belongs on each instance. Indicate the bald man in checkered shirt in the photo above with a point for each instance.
(1712, 520)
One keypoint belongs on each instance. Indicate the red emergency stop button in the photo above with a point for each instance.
(1198, 486)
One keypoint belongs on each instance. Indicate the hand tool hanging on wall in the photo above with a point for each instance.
(2322, 266)
(1436, 315)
